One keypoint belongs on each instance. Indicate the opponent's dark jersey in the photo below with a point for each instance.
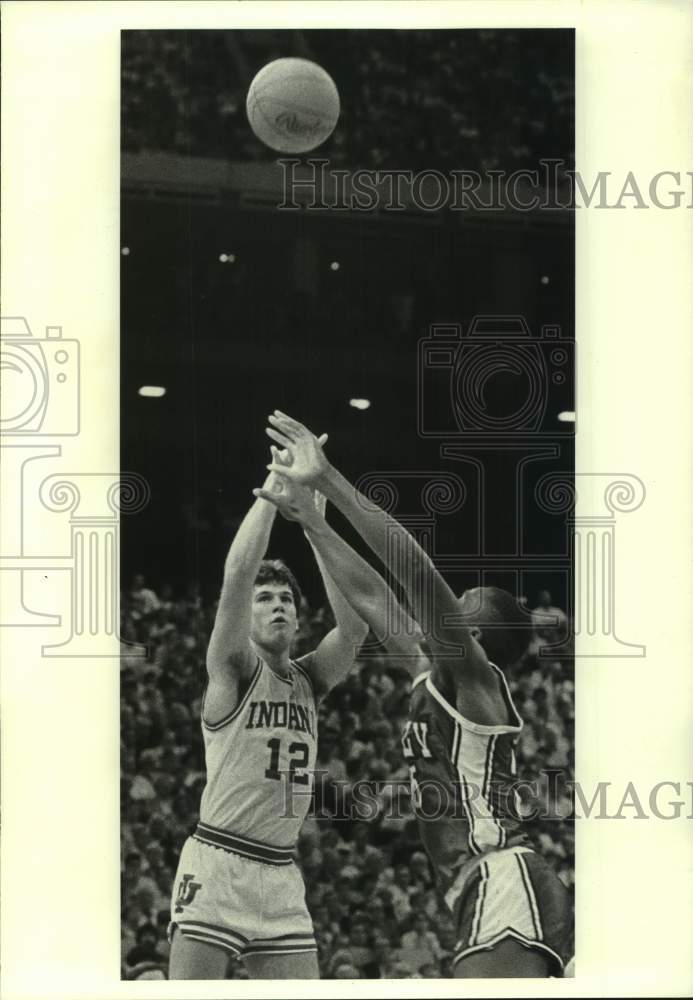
(462, 776)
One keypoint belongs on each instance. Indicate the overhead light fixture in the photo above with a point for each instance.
(360, 404)
(152, 391)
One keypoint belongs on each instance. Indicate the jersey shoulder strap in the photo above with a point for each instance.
(303, 666)
(507, 697)
(475, 727)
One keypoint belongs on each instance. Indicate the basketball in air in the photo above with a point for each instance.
(292, 105)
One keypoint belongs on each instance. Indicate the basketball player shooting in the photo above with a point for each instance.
(513, 914)
(238, 891)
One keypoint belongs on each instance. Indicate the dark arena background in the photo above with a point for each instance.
(353, 321)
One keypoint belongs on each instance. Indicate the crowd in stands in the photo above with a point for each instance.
(370, 889)
(478, 100)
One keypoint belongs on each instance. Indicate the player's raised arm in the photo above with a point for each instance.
(433, 604)
(334, 656)
(230, 658)
(359, 585)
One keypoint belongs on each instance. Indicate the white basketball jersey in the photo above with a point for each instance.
(260, 760)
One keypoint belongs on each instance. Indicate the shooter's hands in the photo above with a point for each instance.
(281, 461)
(293, 500)
(320, 501)
(308, 462)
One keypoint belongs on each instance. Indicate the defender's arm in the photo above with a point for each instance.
(432, 602)
(363, 589)
(335, 654)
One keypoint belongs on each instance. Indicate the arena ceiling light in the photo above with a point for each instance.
(152, 391)
(360, 404)
(567, 417)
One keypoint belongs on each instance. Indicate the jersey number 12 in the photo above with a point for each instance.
(299, 758)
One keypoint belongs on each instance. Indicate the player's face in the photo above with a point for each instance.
(274, 618)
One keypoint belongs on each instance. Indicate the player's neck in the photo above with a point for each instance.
(446, 680)
(276, 659)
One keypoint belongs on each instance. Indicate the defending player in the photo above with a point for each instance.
(237, 889)
(513, 914)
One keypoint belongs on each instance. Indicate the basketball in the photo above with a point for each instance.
(292, 105)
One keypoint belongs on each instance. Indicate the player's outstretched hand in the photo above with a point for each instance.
(308, 462)
(294, 501)
(320, 501)
(280, 458)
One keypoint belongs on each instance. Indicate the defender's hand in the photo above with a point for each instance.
(274, 479)
(320, 501)
(293, 501)
(308, 462)
(281, 459)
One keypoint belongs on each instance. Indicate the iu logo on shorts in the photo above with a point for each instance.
(186, 892)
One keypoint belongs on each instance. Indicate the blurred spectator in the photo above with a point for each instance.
(345, 970)
(143, 600)
(421, 869)
(420, 945)
(381, 954)
(549, 622)
(327, 758)
(146, 948)
(430, 971)
(148, 970)
(400, 888)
